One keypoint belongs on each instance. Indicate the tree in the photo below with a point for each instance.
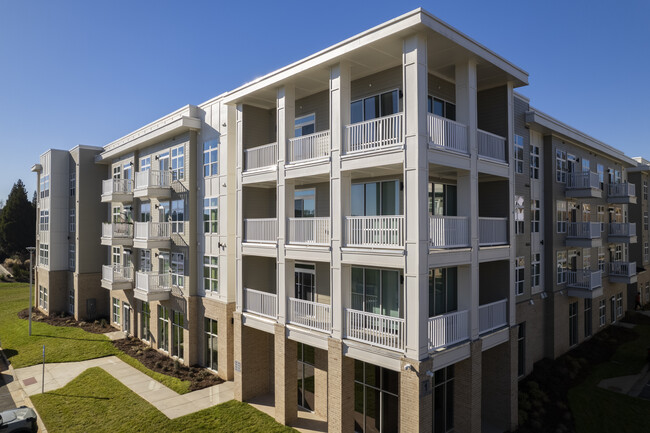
(17, 222)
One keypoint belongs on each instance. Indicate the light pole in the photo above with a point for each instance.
(31, 266)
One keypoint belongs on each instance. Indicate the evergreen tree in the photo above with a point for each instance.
(17, 222)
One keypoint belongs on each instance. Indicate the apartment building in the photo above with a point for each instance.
(639, 176)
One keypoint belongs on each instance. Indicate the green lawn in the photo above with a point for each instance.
(599, 410)
(115, 408)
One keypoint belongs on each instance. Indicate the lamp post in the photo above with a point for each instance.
(31, 266)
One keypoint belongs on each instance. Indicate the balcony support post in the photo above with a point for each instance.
(239, 218)
(511, 314)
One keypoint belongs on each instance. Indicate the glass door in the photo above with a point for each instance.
(164, 161)
(126, 318)
(163, 263)
(306, 377)
(145, 260)
(305, 275)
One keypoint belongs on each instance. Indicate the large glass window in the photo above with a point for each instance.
(443, 199)
(441, 108)
(305, 281)
(211, 215)
(376, 198)
(178, 322)
(211, 346)
(519, 154)
(443, 291)
(376, 291)
(73, 183)
(163, 328)
(305, 125)
(306, 361)
(376, 398)
(44, 254)
(178, 269)
(44, 221)
(45, 186)
(211, 274)
(178, 216)
(375, 106)
(145, 212)
(443, 400)
(304, 203)
(145, 163)
(211, 158)
(178, 163)
(43, 297)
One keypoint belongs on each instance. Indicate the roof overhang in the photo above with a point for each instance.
(37, 168)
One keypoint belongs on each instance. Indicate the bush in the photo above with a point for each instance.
(103, 323)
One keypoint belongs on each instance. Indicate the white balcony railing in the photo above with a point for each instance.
(621, 190)
(622, 229)
(311, 231)
(261, 156)
(262, 303)
(375, 329)
(448, 329)
(582, 180)
(622, 269)
(150, 282)
(117, 186)
(492, 316)
(152, 179)
(310, 315)
(583, 230)
(491, 145)
(117, 273)
(312, 146)
(584, 279)
(375, 231)
(261, 230)
(374, 134)
(447, 134)
(117, 230)
(492, 231)
(152, 230)
(448, 231)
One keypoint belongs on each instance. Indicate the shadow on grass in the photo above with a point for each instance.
(90, 397)
(70, 338)
(9, 353)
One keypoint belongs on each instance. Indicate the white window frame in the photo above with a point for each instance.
(145, 163)
(210, 204)
(210, 263)
(302, 121)
(177, 224)
(177, 162)
(43, 297)
(178, 339)
(560, 165)
(645, 190)
(601, 217)
(601, 259)
(211, 158)
(71, 256)
(44, 220)
(602, 313)
(619, 304)
(116, 311)
(561, 216)
(518, 149)
(520, 275)
(646, 252)
(534, 162)
(44, 254)
(645, 220)
(535, 213)
(561, 267)
(73, 183)
(177, 266)
(535, 270)
(520, 227)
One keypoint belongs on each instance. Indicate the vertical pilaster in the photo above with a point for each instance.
(340, 390)
(415, 397)
(239, 218)
(467, 391)
(286, 377)
(512, 311)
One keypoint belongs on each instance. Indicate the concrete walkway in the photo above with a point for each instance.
(170, 403)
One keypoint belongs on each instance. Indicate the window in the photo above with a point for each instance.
(45, 186)
(177, 333)
(376, 198)
(376, 398)
(646, 256)
(178, 216)
(588, 319)
(44, 254)
(619, 305)
(178, 269)
(443, 400)
(72, 222)
(146, 321)
(210, 215)
(43, 297)
(128, 175)
(117, 172)
(304, 203)
(44, 221)
(73, 183)
(210, 158)
(519, 215)
(442, 199)
(178, 163)
(534, 162)
(305, 125)
(441, 108)
(116, 311)
(601, 176)
(519, 154)
(163, 328)
(602, 313)
(376, 291)
(521, 349)
(586, 258)
(145, 163)
(443, 291)
(561, 267)
(561, 216)
(601, 259)
(573, 324)
(645, 220)
(117, 214)
(645, 190)
(211, 274)
(145, 260)
(116, 255)
(534, 216)
(375, 106)
(601, 217)
(306, 362)
(560, 166)
(145, 212)
(71, 256)
(211, 352)
(610, 175)
(520, 263)
(71, 300)
(586, 165)
(535, 270)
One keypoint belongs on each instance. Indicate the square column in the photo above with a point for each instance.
(239, 217)
(254, 356)
(512, 307)
(416, 180)
(467, 391)
(340, 390)
(416, 397)
(286, 377)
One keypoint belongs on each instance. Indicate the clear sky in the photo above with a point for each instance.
(88, 72)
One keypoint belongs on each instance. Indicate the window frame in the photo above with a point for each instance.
(534, 162)
(211, 215)
(211, 158)
(520, 275)
(560, 165)
(177, 269)
(518, 150)
(210, 265)
(561, 267)
(177, 163)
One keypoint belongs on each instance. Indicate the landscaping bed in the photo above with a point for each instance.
(198, 377)
(100, 326)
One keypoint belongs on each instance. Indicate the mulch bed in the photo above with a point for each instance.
(198, 377)
(101, 326)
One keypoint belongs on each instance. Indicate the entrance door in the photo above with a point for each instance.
(126, 321)
(163, 263)
(305, 281)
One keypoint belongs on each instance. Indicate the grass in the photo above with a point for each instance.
(598, 410)
(115, 408)
(62, 343)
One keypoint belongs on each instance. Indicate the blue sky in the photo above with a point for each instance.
(88, 72)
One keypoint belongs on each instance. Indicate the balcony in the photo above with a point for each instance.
(446, 134)
(261, 303)
(309, 147)
(152, 287)
(374, 329)
(622, 272)
(492, 316)
(153, 184)
(621, 232)
(114, 234)
(492, 231)
(374, 231)
(117, 190)
(448, 231)
(375, 134)
(261, 157)
(491, 146)
(261, 230)
(152, 235)
(585, 283)
(309, 231)
(311, 315)
(583, 185)
(623, 193)
(584, 235)
(448, 329)
(117, 277)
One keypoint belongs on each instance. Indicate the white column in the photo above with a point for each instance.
(339, 99)
(239, 130)
(466, 113)
(286, 113)
(512, 311)
(416, 177)
(228, 196)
